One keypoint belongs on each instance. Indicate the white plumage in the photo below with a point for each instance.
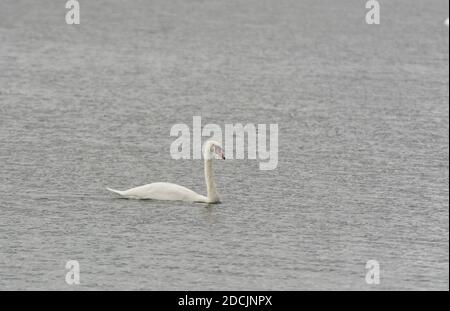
(173, 192)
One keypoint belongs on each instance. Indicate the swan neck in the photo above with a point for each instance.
(210, 183)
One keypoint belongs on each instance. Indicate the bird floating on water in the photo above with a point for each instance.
(174, 192)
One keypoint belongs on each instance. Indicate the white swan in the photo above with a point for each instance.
(173, 192)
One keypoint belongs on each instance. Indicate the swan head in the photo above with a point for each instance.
(213, 150)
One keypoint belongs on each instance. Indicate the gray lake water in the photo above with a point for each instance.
(363, 168)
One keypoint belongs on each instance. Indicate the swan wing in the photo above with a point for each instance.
(162, 191)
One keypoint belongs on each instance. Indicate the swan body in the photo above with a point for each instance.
(162, 191)
(173, 192)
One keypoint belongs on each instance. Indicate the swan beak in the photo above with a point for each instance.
(220, 152)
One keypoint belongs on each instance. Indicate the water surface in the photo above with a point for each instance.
(363, 144)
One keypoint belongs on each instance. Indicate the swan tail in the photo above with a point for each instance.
(122, 193)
